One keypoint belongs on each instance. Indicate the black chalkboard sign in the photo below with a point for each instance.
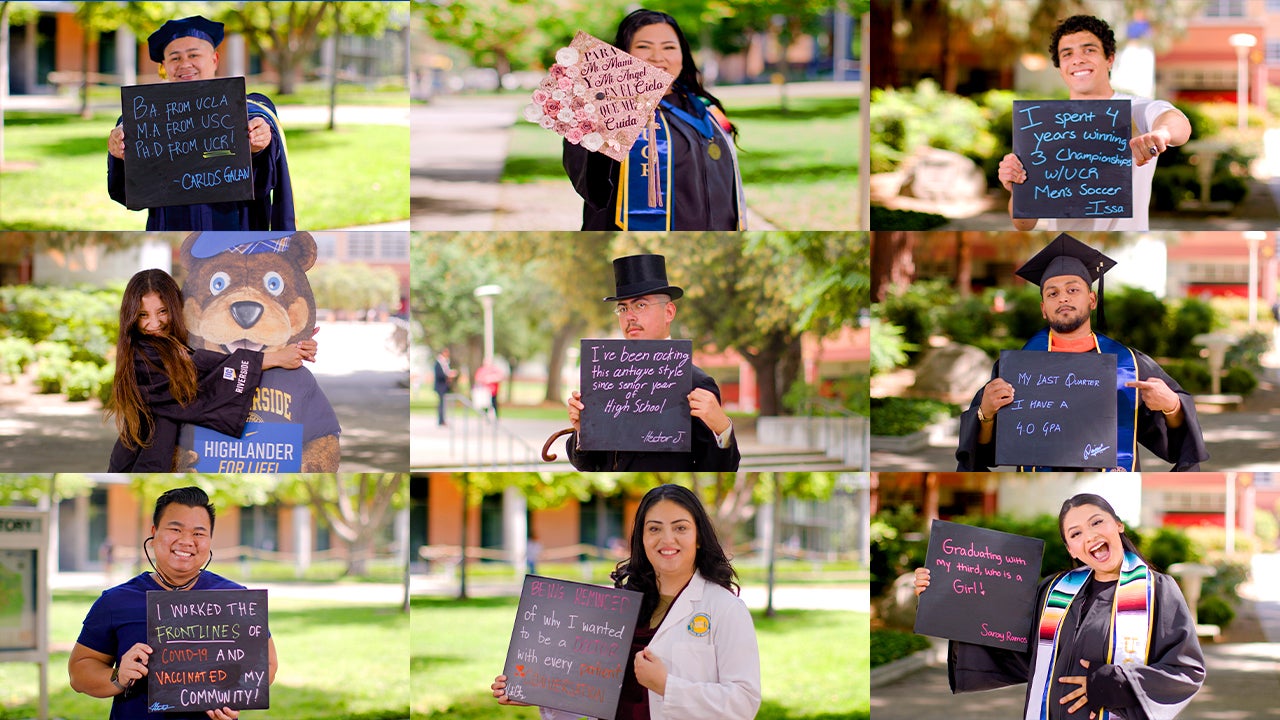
(1076, 154)
(982, 586)
(1064, 414)
(186, 143)
(635, 395)
(208, 650)
(570, 644)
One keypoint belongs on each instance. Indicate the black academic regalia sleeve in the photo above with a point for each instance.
(1182, 446)
(593, 176)
(272, 207)
(1174, 671)
(224, 392)
(970, 455)
(708, 455)
(115, 175)
(585, 460)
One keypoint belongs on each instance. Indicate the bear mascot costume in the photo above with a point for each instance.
(250, 290)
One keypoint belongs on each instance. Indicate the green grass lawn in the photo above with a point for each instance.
(355, 175)
(812, 663)
(799, 167)
(336, 661)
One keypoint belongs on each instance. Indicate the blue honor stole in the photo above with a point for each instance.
(1126, 397)
(634, 212)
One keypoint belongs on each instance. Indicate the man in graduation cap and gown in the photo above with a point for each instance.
(645, 309)
(187, 50)
(1152, 409)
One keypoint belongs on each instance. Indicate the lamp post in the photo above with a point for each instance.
(485, 294)
(1254, 237)
(1242, 42)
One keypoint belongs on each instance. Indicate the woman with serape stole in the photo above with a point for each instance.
(1113, 636)
(682, 172)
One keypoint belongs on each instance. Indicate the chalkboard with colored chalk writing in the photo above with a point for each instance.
(1064, 412)
(570, 644)
(186, 143)
(1077, 158)
(208, 650)
(635, 395)
(982, 586)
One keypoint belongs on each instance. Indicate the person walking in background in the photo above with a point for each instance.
(443, 380)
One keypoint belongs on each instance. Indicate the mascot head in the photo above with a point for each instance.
(248, 289)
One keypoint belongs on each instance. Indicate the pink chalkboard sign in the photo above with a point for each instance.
(982, 586)
(598, 96)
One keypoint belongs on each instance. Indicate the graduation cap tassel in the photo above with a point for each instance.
(1102, 318)
(655, 195)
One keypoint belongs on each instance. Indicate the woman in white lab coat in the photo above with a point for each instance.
(694, 655)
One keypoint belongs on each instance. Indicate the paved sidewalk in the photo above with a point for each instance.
(1242, 680)
(364, 380)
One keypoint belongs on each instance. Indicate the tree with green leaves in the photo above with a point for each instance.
(357, 507)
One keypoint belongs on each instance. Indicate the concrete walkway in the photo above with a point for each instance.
(854, 596)
(460, 144)
(364, 380)
(1242, 681)
(1246, 440)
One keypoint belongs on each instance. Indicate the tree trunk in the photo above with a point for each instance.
(964, 265)
(333, 68)
(884, 66)
(84, 80)
(358, 554)
(772, 550)
(891, 262)
(950, 72)
(559, 346)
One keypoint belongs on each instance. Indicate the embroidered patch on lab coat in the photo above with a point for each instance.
(700, 625)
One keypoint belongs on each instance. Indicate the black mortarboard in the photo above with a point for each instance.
(1066, 255)
(194, 26)
(638, 275)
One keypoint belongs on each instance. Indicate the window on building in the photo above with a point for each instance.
(600, 522)
(1273, 6)
(1273, 51)
(491, 521)
(326, 247)
(361, 246)
(260, 527)
(419, 530)
(394, 246)
(1224, 8)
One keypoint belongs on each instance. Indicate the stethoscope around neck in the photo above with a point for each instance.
(166, 581)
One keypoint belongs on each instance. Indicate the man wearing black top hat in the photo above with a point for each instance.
(187, 50)
(1152, 408)
(645, 309)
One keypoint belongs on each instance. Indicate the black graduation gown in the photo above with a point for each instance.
(270, 209)
(1156, 691)
(706, 190)
(224, 396)
(704, 456)
(1182, 446)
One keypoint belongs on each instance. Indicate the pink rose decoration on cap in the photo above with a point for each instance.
(567, 56)
(593, 141)
(573, 135)
(533, 112)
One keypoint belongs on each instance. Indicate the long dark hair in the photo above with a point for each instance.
(1099, 502)
(636, 572)
(690, 79)
(133, 417)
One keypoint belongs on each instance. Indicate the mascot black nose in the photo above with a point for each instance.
(246, 313)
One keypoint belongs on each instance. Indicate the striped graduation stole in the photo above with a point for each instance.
(1129, 637)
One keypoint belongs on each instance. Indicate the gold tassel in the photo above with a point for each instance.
(655, 195)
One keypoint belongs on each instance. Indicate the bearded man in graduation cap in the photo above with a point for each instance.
(187, 50)
(645, 309)
(1152, 408)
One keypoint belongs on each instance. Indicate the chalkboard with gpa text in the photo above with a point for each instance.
(635, 395)
(570, 644)
(1077, 158)
(1064, 410)
(186, 143)
(208, 650)
(982, 586)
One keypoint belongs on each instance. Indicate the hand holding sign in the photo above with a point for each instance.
(995, 395)
(1011, 171)
(133, 664)
(499, 688)
(704, 406)
(259, 134)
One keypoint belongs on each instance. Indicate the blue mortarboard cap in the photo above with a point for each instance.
(194, 26)
(212, 242)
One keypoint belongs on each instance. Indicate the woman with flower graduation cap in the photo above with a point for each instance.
(1113, 636)
(1152, 409)
(699, 186)
(187, 50)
